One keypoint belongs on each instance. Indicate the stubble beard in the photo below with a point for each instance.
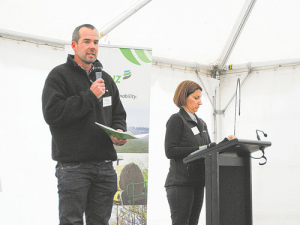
(88, 61)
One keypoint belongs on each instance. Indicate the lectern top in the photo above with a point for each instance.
(239, 146)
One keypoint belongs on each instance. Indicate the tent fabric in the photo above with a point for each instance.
(192, 31)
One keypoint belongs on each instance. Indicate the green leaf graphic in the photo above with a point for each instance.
(128, 55)
(141, 54)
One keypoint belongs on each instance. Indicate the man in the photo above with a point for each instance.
(73, 100)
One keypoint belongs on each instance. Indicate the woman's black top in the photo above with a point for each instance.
(184, 136)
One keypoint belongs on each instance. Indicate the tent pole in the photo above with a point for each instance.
(121, 18)
(257, 65)
(193, 65)
(235, 33)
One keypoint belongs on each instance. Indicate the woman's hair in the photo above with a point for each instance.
(184, 89)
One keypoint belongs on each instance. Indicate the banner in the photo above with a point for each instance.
(131, 70)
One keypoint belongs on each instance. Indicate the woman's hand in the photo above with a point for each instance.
(230, 137)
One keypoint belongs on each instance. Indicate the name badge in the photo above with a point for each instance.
(107, 101)
(195, 130)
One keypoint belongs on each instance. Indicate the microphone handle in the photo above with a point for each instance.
(99, 75)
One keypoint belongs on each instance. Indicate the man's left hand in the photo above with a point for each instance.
(116, 141)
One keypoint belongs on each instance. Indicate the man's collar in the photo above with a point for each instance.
(71, 57)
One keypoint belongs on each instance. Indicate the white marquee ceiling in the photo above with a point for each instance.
(193, 30)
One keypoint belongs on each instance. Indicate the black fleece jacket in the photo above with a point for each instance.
(180, 141)
(71, 109)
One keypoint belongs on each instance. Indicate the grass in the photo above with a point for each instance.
(134, 146)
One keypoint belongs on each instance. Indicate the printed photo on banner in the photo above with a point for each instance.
(131, 70)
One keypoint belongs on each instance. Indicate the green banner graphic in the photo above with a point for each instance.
(128, 54)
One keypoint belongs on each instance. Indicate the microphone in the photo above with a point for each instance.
(98, 71)
(261, 148)
(258, 138)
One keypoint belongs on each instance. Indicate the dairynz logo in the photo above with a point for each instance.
(127, 74)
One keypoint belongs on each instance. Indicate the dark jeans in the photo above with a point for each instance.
(185, 204)
(86, 188)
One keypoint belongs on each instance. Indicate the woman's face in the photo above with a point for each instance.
(193, 101)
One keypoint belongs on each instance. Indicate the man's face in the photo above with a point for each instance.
(86, 50)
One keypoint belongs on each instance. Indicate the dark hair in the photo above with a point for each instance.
(76, 35)
(184, 89)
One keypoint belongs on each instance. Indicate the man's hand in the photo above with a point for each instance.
(98, 87)
(116, 141)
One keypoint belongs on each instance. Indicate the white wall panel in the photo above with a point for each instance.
(29, 193)
(270, 102)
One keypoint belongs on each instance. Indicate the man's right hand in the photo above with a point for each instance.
(98, 87)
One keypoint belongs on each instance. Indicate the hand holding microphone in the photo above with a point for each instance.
(98, 87)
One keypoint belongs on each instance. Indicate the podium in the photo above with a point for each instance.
(228, 180)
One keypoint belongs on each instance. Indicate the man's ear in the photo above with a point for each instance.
(74, 44)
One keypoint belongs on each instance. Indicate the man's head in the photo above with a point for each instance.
(85, 41)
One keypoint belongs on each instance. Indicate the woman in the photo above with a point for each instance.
(185, 134)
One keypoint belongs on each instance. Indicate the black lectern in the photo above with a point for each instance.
(228, 180)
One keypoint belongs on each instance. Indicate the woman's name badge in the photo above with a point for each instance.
(195, 130)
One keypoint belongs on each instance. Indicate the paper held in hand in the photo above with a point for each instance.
(121, 135)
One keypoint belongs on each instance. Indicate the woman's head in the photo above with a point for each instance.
(188, 96)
